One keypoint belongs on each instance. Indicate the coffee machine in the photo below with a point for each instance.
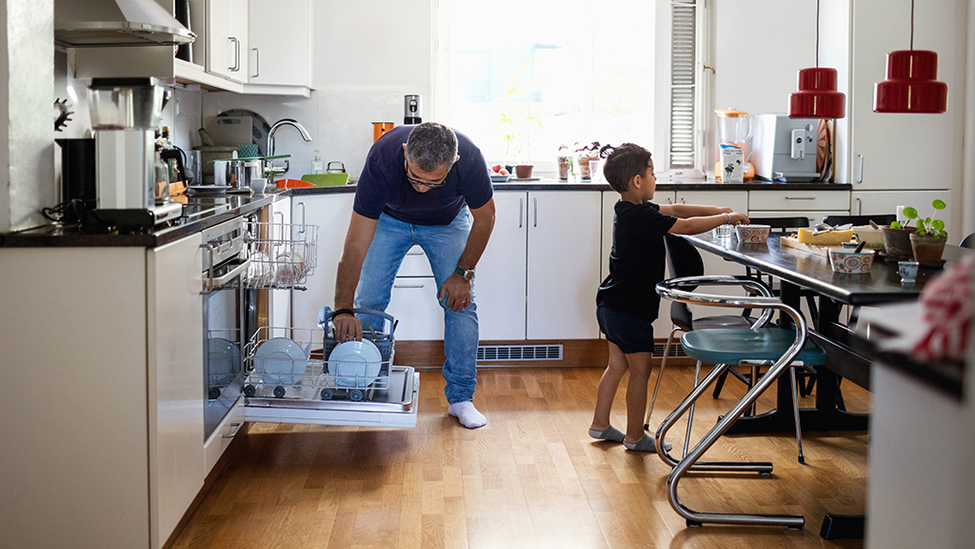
(125, 113)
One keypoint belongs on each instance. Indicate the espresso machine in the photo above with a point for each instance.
(125, 114)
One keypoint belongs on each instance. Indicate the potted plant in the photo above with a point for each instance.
(897, 236)
(519, 119)
(928, 241)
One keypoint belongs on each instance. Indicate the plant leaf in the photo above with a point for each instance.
(895, 225)
(938, 204)
(910, 213)
(938, 225)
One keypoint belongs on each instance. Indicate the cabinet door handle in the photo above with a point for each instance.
(800, 198)
(236, 66)
(414, 286)
(670, 200)
(521, 212)
(860, 179)
(257, 62)
(535, 203)
(236, 428)
(683, 200)
(302, 229)
(859, 206)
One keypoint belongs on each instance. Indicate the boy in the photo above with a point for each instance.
(627, 301)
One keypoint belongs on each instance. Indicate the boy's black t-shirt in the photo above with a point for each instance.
(636, 263)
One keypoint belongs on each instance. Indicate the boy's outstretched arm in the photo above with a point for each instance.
(692, 210)
(700, 224)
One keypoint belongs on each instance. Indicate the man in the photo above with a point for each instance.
(421, 185)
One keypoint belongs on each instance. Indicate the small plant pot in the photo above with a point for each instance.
(897, 242)
(565, 163)
(927, 248)
(524, 172)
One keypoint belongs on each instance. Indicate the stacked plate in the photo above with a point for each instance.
(355, 363)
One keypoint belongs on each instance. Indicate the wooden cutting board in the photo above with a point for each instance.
(793, 242)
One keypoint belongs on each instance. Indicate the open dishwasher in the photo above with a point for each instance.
(295, 374)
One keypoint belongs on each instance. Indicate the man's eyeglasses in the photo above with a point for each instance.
(412, 178)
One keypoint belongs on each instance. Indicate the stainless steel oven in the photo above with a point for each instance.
(229, 318)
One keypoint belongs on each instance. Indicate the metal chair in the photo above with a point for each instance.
(968, 242)
(683, 260)
(783, 348)
(858, 220)
(779, 226)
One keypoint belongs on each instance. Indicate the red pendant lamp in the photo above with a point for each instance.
(817, 96)
(912, 82)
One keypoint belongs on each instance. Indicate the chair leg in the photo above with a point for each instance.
(795, 411)
(696, 518)
(690, 413)
(660, 375)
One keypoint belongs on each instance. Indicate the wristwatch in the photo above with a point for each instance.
(468, 274)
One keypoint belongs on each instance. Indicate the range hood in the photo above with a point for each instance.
(91, 23)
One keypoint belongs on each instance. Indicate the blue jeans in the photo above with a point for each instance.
(442, 245)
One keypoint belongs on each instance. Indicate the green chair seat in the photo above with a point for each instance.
(732, 345)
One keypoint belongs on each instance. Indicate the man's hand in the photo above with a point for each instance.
(347, 328)
(457, 290)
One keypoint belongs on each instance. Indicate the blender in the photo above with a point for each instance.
(734, 129)
(125, 113)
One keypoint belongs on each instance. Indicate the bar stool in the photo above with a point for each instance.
(783, 348)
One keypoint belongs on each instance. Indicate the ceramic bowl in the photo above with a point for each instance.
(752, 234)
(850, 262)
(874, 238)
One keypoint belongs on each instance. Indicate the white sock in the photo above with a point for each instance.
(467, 414)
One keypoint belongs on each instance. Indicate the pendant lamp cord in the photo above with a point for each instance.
(912, 24)
(817, 32)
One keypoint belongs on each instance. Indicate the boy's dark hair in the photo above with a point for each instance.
(623, 164)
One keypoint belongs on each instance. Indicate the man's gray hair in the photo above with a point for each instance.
(430, 146)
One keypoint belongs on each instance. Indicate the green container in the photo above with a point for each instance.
(326, 179)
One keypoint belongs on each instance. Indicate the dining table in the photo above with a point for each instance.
(801, 273)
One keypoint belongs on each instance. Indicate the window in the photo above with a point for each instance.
(546, 74)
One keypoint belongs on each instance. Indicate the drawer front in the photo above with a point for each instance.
(799, 200)
(223, 435)
(415, 264)
(413, 302)
(736, 200)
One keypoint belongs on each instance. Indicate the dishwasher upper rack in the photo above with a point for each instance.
(285, 363)
(282, 255)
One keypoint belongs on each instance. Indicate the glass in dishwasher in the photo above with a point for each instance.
(282, 255)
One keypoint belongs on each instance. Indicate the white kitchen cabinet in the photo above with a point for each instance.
(563, 264)
(813, 204)
(112, 445)
(227, 39)
(500, 285)
(228, 428)
(413, 302)
(332, 213)
(882, 151)
(280, 47)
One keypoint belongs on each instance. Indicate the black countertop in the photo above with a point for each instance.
(202, 212)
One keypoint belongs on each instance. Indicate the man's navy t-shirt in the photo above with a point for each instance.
(383, 186)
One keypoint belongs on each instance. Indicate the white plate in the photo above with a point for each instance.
(355, 363)
(224, 359)
(280, 361)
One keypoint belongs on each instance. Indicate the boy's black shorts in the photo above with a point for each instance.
(631, 334)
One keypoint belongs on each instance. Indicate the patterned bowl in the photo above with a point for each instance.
(752, 234)
(850, 262)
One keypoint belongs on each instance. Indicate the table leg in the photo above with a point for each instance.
(825, 416)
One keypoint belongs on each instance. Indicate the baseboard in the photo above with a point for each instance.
(576, 353)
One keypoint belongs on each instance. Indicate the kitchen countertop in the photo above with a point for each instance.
(202, 212)
(563, 185)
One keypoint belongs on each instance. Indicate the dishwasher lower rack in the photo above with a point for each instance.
(282, 255)
(288, 364)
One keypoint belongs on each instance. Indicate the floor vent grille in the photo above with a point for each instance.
(519, 352)
(676, 350)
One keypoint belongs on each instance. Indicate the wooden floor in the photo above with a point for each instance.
(531, 478)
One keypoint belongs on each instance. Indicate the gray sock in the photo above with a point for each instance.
(645, 444)
(610, 433)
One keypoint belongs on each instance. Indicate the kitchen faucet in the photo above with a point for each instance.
(270, 170)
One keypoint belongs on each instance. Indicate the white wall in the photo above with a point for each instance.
(369, 54)
(759, 47)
